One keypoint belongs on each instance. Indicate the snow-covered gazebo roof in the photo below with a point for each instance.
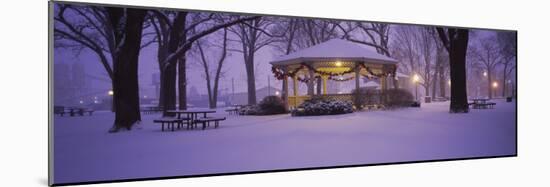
(335, 50)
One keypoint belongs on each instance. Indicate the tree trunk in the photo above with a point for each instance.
(250, 79)
(442, 81)
(168, 81)
(435, 78)
(182, 83)
(125, 66)
(168, 89)
(504, 86)
(457, 58)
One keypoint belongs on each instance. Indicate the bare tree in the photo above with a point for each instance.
(287, 28)
(127, 24)
(508, 44)
(441, 68)
(177, 36)
(488, 55)
(115, 36)
(253, 36)
(80, 27)
(404, 49)
(205, 62)
(377, 34)
(425, 45)
(455, 41)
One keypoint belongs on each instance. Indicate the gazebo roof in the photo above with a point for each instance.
(334, 50)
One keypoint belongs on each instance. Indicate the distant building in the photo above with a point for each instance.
(70, 84)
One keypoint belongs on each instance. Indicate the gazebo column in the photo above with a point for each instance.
(357, 79)
(383, 83)
(319, 86)
(324, 77)
(285, 88)
(295, 85)
(310, 82)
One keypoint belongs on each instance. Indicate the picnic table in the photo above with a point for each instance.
(72, 111)
(192, 115)
(482, 103)
(234, 109)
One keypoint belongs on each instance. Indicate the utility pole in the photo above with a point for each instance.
(232, 89)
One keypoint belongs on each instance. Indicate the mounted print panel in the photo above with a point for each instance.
(151, 93)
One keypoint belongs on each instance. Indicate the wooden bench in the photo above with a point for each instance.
(170, 122)
(206, 121)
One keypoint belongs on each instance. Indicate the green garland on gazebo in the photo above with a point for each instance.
(280, 74)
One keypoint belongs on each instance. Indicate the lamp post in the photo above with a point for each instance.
(508, 85)
(495, 86)
(415, 80)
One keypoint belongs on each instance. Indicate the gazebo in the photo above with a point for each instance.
(337, 60)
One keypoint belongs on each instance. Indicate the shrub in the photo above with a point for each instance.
(398, 98)
(315, 107)
(390, 98)
(272, 105)
(268, 106)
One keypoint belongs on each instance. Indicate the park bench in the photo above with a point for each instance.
(488, 105)
(206, 121)
(170, 122)
(151, 110)
(81, 111)
(59, 110)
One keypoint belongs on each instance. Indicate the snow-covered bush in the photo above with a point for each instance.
(268, 106)
(315, 107)
(250, 110)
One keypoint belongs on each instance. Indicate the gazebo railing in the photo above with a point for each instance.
(294, 101)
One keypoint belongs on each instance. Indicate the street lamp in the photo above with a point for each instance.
(495, 86)
(338, 63)
(415, 80)
(111, 93)
(485, 74)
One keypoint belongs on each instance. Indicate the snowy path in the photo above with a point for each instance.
(84, 151)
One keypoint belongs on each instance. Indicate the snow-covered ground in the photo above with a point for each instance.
(84, 151)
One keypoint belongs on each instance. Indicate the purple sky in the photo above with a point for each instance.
(148, 65)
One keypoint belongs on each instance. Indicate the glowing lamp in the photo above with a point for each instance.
(416, 78)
